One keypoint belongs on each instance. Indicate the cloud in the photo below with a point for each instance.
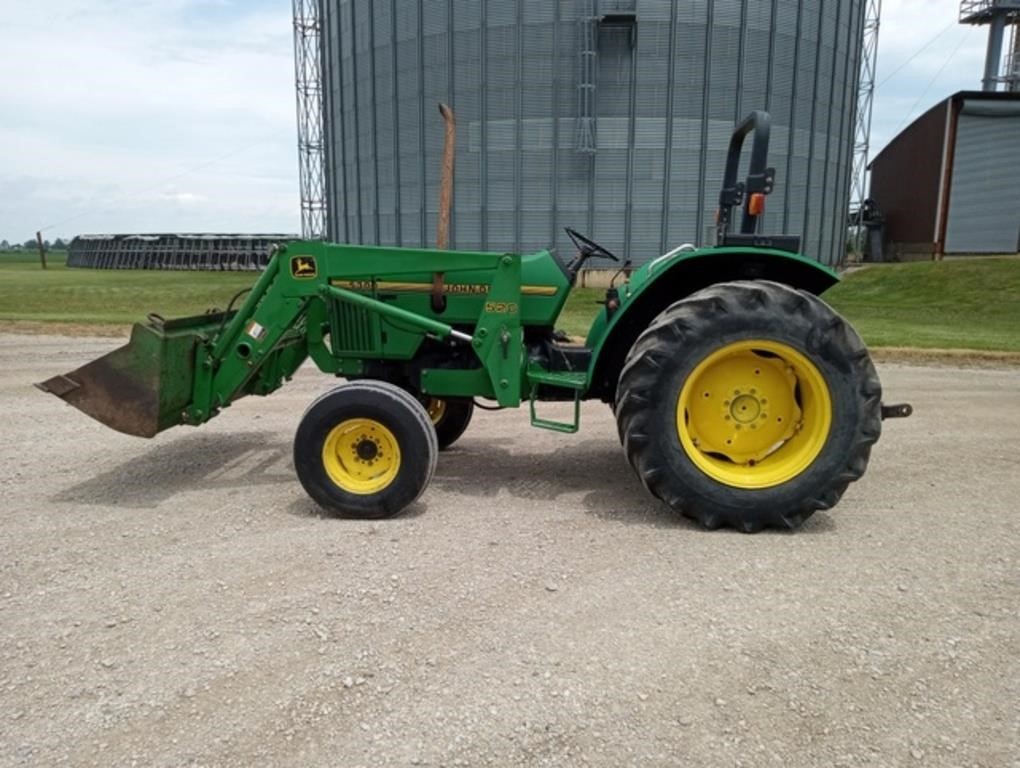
(184, 198)
(114, 109)
(128, 98)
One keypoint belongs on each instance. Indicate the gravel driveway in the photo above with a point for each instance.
(179, 601)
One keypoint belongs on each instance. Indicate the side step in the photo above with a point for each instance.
(577, 381)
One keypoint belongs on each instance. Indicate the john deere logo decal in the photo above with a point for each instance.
(303, 267)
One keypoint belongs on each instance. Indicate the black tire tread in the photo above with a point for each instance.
(679, 325)
(401, 400)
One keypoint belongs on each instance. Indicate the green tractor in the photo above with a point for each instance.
(741, 398)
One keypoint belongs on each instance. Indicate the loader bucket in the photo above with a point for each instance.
(143, 387)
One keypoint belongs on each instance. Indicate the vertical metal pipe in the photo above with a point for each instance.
(1013, 69)
(452, 101)
(955, 105)
(993, 57)
(446, 180)
(947, 134)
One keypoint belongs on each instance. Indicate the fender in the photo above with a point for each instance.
(674, 276)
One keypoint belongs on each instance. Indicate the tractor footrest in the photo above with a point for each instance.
(573, 380)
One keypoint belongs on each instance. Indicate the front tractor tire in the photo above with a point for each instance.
(366, 449)
(749, 404)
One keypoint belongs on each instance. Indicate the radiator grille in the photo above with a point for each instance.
(353, 329)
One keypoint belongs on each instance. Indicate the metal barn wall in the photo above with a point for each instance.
(174, 251)
(665, 93)
(906, 177)
(984, 201)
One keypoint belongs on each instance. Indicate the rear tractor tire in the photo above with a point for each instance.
(366, 449)
(449, 416)
(749, 404)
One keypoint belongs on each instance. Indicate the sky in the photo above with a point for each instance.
(179, 115)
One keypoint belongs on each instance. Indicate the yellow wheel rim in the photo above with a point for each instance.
(436, 409)
(361, 456)
(754, 414)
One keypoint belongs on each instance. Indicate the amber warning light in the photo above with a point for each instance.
(756, 204)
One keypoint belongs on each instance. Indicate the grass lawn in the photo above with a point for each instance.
(971, 303)
(580, 309)
(99, 296)
(958, 304)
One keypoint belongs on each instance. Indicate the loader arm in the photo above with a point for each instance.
(186, 371)
(361, 326)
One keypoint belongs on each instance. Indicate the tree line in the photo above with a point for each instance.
(30, 245)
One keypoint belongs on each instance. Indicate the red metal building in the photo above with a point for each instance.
(950, 182)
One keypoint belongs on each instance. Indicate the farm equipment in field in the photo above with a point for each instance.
(741, 398)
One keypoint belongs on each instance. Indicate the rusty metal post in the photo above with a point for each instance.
(446, 181)
(42, 251)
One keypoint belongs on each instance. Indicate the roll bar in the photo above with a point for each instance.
(760, 178)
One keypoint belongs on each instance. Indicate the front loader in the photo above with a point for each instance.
(741, 398)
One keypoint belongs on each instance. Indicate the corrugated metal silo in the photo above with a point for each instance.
(611, 116)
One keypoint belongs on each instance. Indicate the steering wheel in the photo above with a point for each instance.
(588, 247)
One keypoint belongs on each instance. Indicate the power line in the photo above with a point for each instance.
(917, 53)
(931, 82)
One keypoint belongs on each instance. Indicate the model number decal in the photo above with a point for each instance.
(463, 289)
(501, 307)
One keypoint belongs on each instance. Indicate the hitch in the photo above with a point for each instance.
(898, 411)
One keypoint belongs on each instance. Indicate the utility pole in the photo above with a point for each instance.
(42, 250)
